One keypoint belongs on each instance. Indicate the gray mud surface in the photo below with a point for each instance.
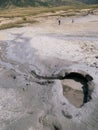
(31, 60)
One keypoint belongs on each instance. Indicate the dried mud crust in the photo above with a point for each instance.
(33, 69)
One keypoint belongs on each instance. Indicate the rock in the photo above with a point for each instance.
(96, 57)
(67, 115)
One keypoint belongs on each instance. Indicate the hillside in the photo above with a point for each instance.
(89, 1)
(24, 3)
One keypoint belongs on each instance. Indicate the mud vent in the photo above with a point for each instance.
(76, 88)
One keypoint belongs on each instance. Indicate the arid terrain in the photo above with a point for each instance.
(37, 65)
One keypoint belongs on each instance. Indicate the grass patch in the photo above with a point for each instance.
(9, 25)
(27, 11)
(20, 12)
(16, 24)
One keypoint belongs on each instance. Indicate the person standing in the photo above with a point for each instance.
(72, 21)
(59, 21)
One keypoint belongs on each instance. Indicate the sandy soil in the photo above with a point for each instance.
(29, 103)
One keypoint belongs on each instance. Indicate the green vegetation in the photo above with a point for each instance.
(45, 3)
(89, 1)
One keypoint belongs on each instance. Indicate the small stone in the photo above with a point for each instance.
(27, 84)
(96, 57)
(14, 77)
(63, 103)
(23, 89)
(30, 112)
(67, 115)
(95, 63)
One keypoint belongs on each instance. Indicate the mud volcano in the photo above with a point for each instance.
(42, 71)
(76, 88)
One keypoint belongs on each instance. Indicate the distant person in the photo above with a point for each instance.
(72, 20)
(59, 21)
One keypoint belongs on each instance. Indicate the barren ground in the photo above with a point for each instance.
(28, 102)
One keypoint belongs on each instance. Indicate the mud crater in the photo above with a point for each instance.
(77, 88)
